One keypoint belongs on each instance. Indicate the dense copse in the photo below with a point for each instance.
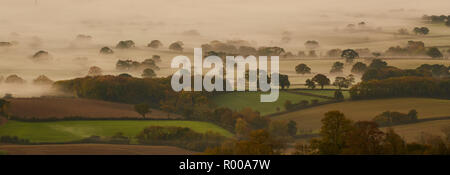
(413, 48)
(117, 88)
(379, 70)
(130, 65)
(410, 86)
(240, 47)
(178, 136)
(436, 18)
(389, 118)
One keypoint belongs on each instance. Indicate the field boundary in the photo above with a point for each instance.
(298, 108)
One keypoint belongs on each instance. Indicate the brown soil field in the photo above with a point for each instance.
(93, 149)
(48, 108)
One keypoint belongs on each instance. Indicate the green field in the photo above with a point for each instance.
(65, 131)
(240, 100)
(328, 93)
(363, 110)
(3, 152)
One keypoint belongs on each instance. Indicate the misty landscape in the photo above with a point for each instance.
(98, 72)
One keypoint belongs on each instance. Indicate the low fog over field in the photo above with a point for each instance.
(53, 26)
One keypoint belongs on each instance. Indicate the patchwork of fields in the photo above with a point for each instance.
(310, 119)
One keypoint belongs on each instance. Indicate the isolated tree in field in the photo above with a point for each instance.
(310, 84)
(321, 79)
(42, 80)
(359, 68)
(157, 58)
(349, 55)
(377, 64)
(284, 81)
(334, 53)
(334, 130)
(106, 51)
(125, 44)
(142, 109)
(41, 56)
(338, 95)
(337, 67)
(434, 53)
(421, 30)
(155, 44)
(342, 82)
(4, 106)
(14, 79)
(311, 44)
(292, 128)
(376, 54)
(176, 46)
(95, 71)
(302, 69)
(148, 73)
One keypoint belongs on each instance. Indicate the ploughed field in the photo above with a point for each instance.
(92, 149)
(59, 108)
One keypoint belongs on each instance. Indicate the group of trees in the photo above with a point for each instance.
(268, 140)
(379, 70)
(15, 79)
(339, 135)
(147, 66)
(407, 86)
(41, 56)
(344, 82)
(421, 30)
(320, 79)
(413, 48)
(389, 118)
(337, 68)
(438, 19)
(125, 89)
(179, 136)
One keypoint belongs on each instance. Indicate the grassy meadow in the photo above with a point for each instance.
(239, 100)
(66, 131)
